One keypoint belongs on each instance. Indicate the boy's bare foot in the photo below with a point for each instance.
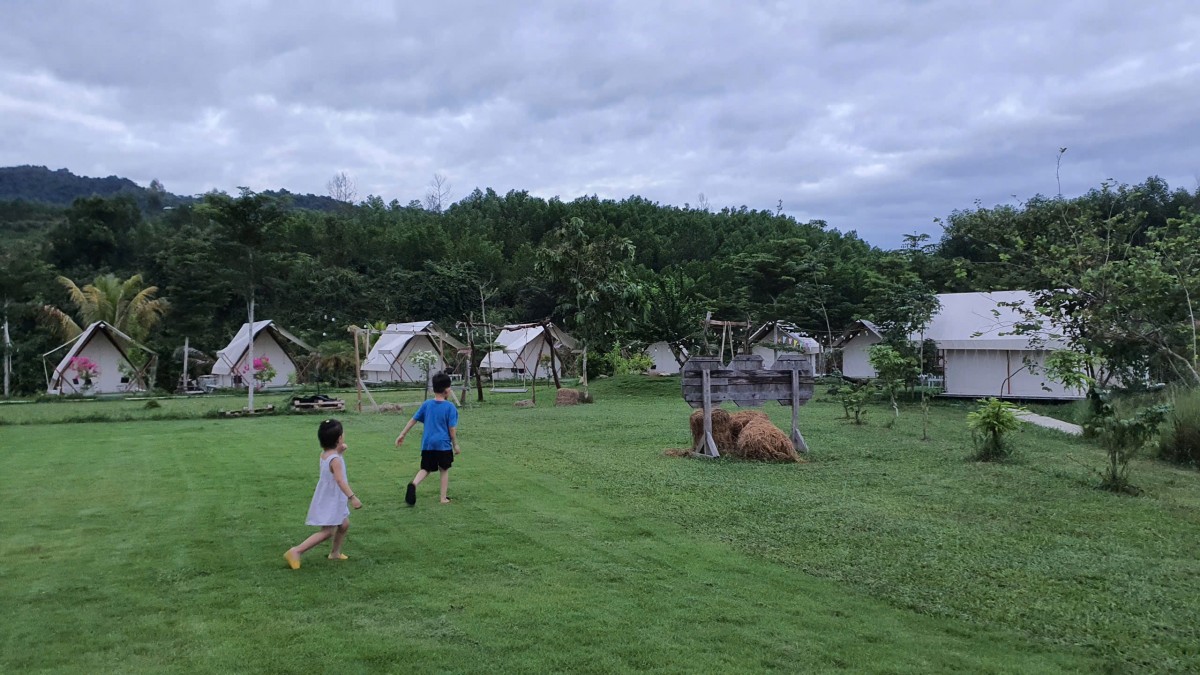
(340, 556)
(410, 494)
(292, 558)
(446, 500)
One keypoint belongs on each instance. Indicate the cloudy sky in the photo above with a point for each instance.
(875, 116)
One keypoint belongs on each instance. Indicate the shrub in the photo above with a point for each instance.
(1122, 440)
(990, 425)
(1180, 439)
(854, 397)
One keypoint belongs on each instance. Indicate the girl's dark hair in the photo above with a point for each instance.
(329, 433)
(441, 382)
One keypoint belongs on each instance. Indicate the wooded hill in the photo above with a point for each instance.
(616, 273)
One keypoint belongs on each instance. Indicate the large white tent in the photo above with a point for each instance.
(231, 364)
(391, 357)
(105, 347)
(523, 347)
(979, 350)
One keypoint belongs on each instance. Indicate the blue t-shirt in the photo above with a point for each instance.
(438, 417)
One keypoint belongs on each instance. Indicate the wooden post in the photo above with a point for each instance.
(797, 439)
(537, 362)
(553, 369)
(357, 370)
(471, 356)
(709, 448)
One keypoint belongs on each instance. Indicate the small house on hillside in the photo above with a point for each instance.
(232, 365)
(391, 357)
(776, 337)
(97, 362)
(523, 349)
(978, 353)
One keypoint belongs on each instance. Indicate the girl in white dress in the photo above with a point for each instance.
(328, 509)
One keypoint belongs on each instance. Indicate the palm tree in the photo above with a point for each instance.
(124, 305)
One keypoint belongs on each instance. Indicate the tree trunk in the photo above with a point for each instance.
(250, 359)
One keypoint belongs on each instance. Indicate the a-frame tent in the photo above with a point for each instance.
(523, 346)
(391, 357)
(269, 340)
(105, 346)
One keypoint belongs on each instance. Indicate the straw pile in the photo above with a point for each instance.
(748, 434)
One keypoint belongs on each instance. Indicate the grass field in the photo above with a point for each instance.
(574, 545)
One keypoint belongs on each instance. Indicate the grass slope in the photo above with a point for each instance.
(575, 545)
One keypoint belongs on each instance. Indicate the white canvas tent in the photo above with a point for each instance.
(523, 345)
(855, 344)
(664, 359)
(776, 337)
(231, 364)
(390, 359)
(104, 346)
(979, 354)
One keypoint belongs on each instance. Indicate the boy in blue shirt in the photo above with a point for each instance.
(439, 444)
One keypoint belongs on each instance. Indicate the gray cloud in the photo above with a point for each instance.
(874, 116)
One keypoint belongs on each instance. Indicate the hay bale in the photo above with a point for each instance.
(526, 403)
(568, 397)
(763, 441)
(739, 419)
(721, 431)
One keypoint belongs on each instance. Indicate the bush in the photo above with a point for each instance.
(990, 426)
(1180, 439)
(1122, 439)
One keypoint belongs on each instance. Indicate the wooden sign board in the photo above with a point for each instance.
(707, 381)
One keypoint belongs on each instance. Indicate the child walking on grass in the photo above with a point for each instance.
(439, 442)
(328, 509)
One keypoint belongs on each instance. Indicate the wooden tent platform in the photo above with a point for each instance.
(318, 404)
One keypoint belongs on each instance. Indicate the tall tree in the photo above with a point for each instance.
(248, 226)
(601, 297)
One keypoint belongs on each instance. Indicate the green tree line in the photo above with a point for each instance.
(618, 272)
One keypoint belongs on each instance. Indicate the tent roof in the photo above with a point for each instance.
(516, 338)
(785, 334)
(978, 321)
(396, 338)
(237, 347)
(861, 326)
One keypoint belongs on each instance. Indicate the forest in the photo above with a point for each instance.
(1117, 267)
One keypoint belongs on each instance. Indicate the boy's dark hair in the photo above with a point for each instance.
(329, 433)
(441, 382)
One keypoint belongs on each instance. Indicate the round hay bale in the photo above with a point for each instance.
(763, 441)
(721, 431)
(739, 419)
(568, 397)
(525, 403)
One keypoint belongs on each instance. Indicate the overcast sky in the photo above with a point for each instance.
(875, 116)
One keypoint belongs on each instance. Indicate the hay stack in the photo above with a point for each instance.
(748, 434)
(721, 430)
(567, 397)
(739, 419)
(763, 441)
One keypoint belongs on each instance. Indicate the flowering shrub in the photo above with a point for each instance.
(264, 372)
(85, 369)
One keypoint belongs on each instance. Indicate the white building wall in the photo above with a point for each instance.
(1001, 373)
(856, 361)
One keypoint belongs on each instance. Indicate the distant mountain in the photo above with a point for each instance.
(39, 184)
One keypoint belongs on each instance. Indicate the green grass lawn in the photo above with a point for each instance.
(576, 546)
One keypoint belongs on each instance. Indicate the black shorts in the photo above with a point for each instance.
(432, 460)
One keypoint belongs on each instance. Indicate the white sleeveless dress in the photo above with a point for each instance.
(329, 505)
